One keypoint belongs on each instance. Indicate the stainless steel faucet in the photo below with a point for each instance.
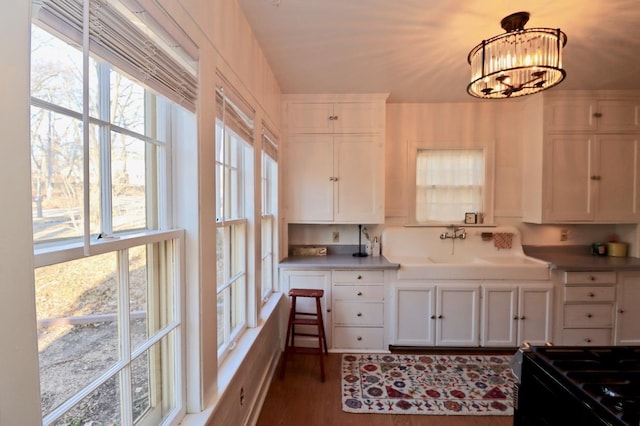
(458, 233)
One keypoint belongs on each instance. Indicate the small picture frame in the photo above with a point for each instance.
(471, 218)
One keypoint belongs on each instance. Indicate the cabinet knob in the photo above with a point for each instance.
(358, 338)
(589, 316)
(328, 309)
(522, 317)
(621, 311)
(333, 117)
(588, 340)
(596, 177)
(515, 318)
(359, 293)
(439, 316)
(432, 317)
(331, 178)
(359, 277)
(597, 114)
(592, 278)
(359, 314)
(592, 295)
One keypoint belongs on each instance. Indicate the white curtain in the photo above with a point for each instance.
(449, 183)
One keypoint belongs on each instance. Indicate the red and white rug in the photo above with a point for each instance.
(427, 384)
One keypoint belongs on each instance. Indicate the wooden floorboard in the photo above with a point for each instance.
(301, 399)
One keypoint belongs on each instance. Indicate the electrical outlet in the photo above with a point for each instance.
(335, 236)
(564, 234)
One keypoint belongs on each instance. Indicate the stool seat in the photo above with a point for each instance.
(309, 319)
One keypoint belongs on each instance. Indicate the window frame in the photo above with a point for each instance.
(270, 217)
(60, 251)
(488, 148)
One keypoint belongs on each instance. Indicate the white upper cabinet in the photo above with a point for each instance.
(335, 117)
(592, 115)
(583, 166)
(334, 159)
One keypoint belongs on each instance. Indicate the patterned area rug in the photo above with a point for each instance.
(427, 384)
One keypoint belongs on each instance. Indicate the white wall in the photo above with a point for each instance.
(19, 383)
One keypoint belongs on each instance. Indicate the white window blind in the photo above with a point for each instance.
(269, 142)
(234, 112)
(120, 42)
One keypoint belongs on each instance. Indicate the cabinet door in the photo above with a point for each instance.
(499, 315)
(310, 179)
(619, 115)
(457, 315)
(567, 175)
(570, 115)
(535, 308)
(627, 331)
(313, 117)
(359, 188)
(310, 280)
(358, 117)
(413, 318)
(616, 170)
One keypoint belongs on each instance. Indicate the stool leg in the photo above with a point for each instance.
(292, 315)
(321, 338)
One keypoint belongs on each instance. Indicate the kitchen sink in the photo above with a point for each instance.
(422, 254)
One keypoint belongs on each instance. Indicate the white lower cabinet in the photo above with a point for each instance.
(516, 313)
(428, 314)
(627, 311)
(358, 310)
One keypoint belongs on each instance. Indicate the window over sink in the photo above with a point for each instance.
(449, 182)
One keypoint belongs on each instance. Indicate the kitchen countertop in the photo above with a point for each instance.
(578, 258)
(337, 261)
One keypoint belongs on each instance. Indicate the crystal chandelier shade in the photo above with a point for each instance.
(517, 63)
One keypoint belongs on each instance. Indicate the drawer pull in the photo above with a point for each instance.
(589, 316)
(359, 314)
(588, 340)
(592, 278)
(621, 311)
(358, 338)
(359, 293)
(359, 277)
(592, 295)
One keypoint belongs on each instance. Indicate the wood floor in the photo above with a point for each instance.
(300, 399)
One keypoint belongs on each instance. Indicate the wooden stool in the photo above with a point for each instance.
(315, 320)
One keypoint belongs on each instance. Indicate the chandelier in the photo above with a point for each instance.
(517, 63)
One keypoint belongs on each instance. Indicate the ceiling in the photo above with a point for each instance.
(416, 50)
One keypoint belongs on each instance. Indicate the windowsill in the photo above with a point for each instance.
(448, 224)
(231, 364)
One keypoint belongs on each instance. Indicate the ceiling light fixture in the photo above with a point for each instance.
(517, 63)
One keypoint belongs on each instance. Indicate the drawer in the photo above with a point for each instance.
(589, 277)
(358, 292)
(358, 276)
(358, 313)
(588, 316)
(586, 337)
(590, 294)
(358, 338)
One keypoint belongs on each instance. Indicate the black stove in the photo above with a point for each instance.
(579, 386)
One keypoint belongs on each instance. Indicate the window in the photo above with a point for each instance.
(269, 213)
(449, 182)
(107, 262)
(234, 204)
